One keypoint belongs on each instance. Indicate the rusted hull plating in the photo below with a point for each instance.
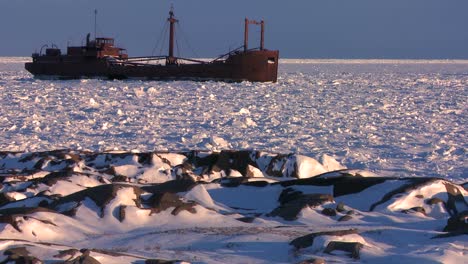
(255, 66)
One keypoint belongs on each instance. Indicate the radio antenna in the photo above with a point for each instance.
(95, 22)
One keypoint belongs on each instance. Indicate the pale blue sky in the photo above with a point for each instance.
(408, 29)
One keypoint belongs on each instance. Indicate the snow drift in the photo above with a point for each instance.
(221, 207)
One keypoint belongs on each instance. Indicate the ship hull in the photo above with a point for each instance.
(256, 66)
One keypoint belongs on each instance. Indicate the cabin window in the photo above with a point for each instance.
(104, 41)
(271, 60)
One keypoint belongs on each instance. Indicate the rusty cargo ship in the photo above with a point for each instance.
(99, 58)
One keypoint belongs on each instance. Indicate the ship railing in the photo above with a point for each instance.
(147, 59)
(135, 61)
(221, 57)
(233, 52)
(193, 60)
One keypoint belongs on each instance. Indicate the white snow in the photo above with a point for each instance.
(308, 167)
(390, 118)
(400, 118)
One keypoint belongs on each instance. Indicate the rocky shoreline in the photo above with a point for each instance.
(67, 206)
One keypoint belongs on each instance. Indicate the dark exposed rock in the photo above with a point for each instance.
(26, 157)
(184, 207)
(163, 159)
(345, 218)
(256, 183)
(329, 212)
(314, 199)
(72, 211)
(14, 216)
(23, 187)
(458, 223)
(53, 177)
(288, 213)
(288, 195)
(145, 158)
(351, 212)
(161, 201)
(113, 253)
(234, 160)
(278, 166)
(414, 183)
(174, 186)
(41, 200)
(308, 240)
(22, 260)
(355, 184)
(85, 251)
(68, 253)
(59, 164)
(110, 171)
(101, 195)
(83, 260)
(4, 199)
(160, 261)
(203, 161)
(48, 160)
(340, 207)
(20, 251)
(434, 200)
(345, 185)
(342, 185)
(454, 196)
(451, 234)
(119, 178)
(184, 171)
(72, 156)
(20, 255)
(292, 202)
(247, 219)
(417, 209)
(231, 181)
(352, 247)
(105, 159)
(313, 261)
(102, 180)
(122, 212)
(43, 203)
(237, 181)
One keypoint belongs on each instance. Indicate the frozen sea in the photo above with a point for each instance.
(395, 118)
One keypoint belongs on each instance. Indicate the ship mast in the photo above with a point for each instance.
(171, 59)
